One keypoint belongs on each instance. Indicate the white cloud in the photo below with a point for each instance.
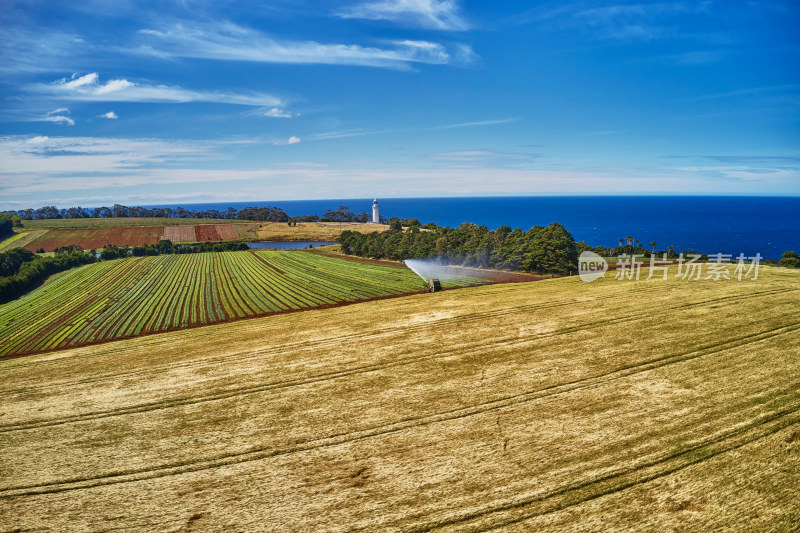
(58, 119)
(41, 155)
(32, 50)
(113, 86)
(89, 88)
(41, 170)
(230, 42)
(277, 112)
(283, 183)
(290, 140)
(59, 116)
(75, 82)
(110, 115)
(433, 14)
(341, 134)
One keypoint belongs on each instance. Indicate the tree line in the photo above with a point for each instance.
(550, 249)
(7, 224)
(23, 270)
(259, 214)
(165, 247)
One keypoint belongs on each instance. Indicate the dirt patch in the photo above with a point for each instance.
(207, 233)
(227, 232)
(180, 233)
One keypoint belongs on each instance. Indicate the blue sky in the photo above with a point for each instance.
(196, 101)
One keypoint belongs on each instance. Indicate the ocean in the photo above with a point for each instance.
(709, 224)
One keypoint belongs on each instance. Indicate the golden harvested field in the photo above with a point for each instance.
(547, 406)
(311, 231)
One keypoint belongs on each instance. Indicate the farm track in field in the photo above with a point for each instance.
(318, 378)
(466, 318)
(542, 406)
(259, 453)
(622, 478)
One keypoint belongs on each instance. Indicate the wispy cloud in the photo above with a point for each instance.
(482, 157)
(90, 88)
(286, 142)
(698, 57)
(432, 14)
(30, 50)
(40, 170)
(276, 112)
(34, 158)
(230, 42)
(59, 116)
(755, 159)
(478, 123)
(744, 159)
(624, 22)
(744, 173)
(752, 91)
(341, 134)
(599, 133)
(750, 168)
(110, 115)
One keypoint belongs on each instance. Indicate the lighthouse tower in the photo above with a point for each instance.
(376, 218)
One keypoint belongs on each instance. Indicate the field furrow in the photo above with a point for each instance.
(123, 298)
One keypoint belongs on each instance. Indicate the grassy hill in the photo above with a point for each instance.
(548, 406)
(137, 296)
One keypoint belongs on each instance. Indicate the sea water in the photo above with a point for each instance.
(710, 224)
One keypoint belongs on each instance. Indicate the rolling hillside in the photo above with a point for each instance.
(138, 296)
(548, 406)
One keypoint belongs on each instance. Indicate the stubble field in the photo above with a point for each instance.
(546, 406)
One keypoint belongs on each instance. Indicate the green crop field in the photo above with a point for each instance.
(129, 297)
(549, 406)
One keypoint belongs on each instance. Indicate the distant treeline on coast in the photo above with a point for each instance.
(259, 214)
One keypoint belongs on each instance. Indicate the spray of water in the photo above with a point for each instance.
(428, 268)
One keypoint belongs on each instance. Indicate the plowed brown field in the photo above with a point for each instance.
(207, 233)
(89, 238)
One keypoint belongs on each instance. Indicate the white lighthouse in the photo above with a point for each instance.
(376, 218)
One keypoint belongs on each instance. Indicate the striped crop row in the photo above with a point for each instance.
(136, 296)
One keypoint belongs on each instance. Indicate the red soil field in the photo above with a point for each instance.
(89, 238)
(227, 232)
(180, 233)
(207, 233)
